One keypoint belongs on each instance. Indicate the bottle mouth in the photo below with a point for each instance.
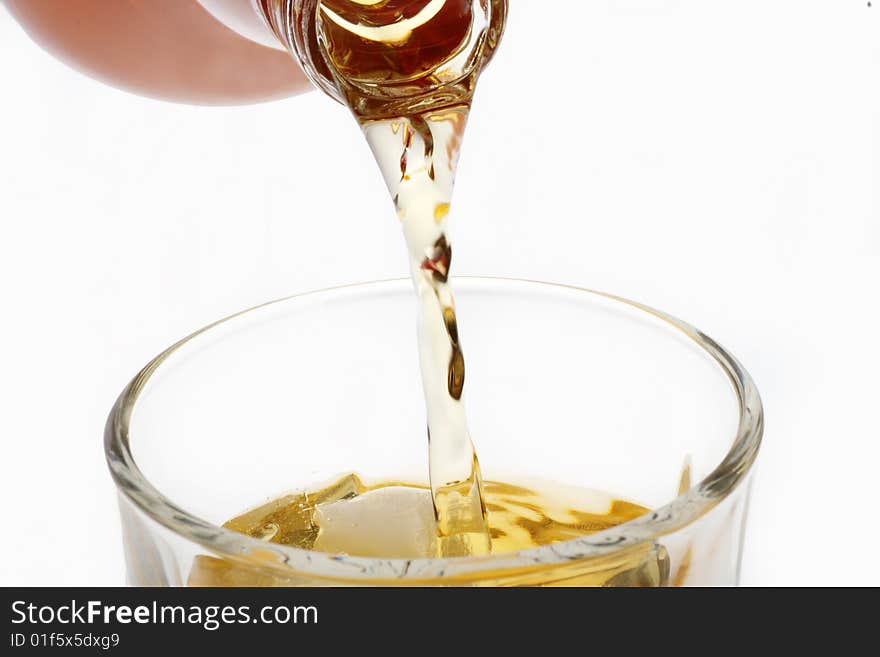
(297, 25)
(286, 562)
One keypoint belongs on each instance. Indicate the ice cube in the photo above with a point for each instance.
(388, 522)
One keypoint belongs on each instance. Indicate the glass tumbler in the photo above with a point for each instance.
(564, 385)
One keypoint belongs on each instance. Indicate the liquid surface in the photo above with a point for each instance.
(395, 520)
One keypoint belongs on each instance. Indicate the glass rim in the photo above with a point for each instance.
(288, 561)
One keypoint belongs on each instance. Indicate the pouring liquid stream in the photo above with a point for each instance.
(407, 70)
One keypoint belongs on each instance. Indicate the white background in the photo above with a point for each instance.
(731, 179)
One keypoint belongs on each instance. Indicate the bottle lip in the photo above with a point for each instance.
(293, 22)
(287, 562)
